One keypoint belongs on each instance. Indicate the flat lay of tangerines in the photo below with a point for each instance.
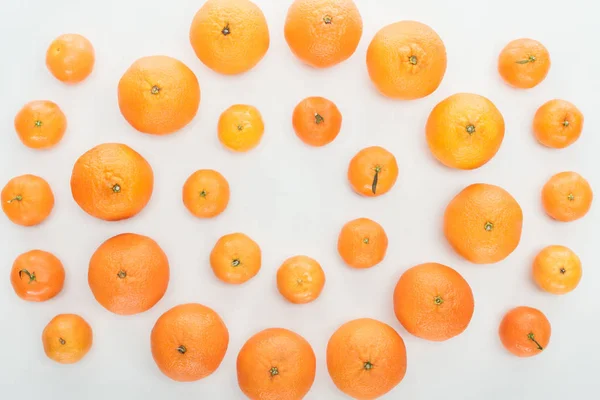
(366, 358)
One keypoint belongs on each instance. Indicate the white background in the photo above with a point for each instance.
(293, 199)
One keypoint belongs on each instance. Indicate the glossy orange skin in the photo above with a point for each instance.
(433, 301)
(189, 342)
(557, 270)
(241, 127)
(483, 223)
(567, 196)
(70, 58)
(276, 364)
(128, 274)
(465, 131)
(158, 95)
(557, 124)
(524, 63)
(362, 243)
(230, 36)
(366, 358)
(37, 275)
(406, 60)
(363, 167)
(112, 182)
(40, 124)
(323, 33)
(27, 200)
(317, 121)
(206, 193)
(235, 258)
(300, 279)
(517, 326)
(67, 338)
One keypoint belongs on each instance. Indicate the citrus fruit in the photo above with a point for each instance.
(567, 196)
(188, 342)
(128, 274)
(67, 338)
(373, 171)
(434, 302)
(230, 36)
(70, 58)
(525, 331)
(557, 124)
(524, 63)
(483, 223)
(27, 200)
(366, 358)
(317, 121)
(158, 95)
(362, 243)
(406, 60)
(465, 131)
(37, 275)
(557, 269)
(112, 182)
(276, 364)
(235, 258)
(40, 124)
(206, 193)
(241, 127)
(300, 279)
(323, 33)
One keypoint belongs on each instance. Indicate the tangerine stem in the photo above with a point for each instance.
(30, 275)
(319, 119)
(527, 60)
(16, 198)
(531, 337)
(375, 179)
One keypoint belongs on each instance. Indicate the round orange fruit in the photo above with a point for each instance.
(366, 358)
(373, 171)
(525, 331)
(241, 127)
(557, 269)
(434, 302)
(317, 121)
(362, 243)
(235, 258)
(465, 131)
(128, 274)
(67, 338)
(40, 124)
(206, 193)
(158, 95)
(524, 63)
(112, 182)
(567, 196)
(276, 364)
(189, 342)
(70, 58)
(406, 60)
(37, 275)
(27, 200)
(230, 36)
(557, 124)
(300, 279)
(483, 223)
(323, 33)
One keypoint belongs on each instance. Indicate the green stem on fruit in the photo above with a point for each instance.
(319, 119)
(531, 337)
(16, 198)
(529, 59)
(375, 179)
(31, 275)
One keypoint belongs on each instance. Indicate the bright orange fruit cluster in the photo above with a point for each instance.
(159, 95)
